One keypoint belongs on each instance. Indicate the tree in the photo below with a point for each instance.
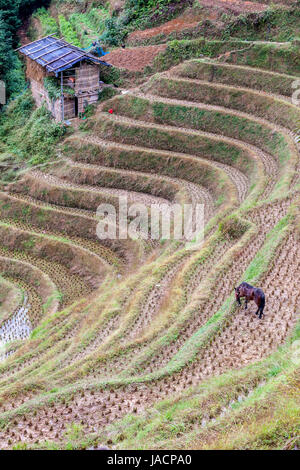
(12, 14)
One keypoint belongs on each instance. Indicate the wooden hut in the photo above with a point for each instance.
(64, 77)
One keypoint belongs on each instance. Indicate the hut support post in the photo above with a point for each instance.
(62, 96)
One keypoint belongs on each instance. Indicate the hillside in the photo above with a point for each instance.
(138, 343)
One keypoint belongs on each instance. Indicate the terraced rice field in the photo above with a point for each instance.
(97, 330)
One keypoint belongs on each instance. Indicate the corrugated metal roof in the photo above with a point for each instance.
(56, 54)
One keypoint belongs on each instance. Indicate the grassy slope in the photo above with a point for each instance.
(27, 136)
(260, 402)
(268, 418)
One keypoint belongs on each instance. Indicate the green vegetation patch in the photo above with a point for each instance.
(201, 69)
(49, 24)
(165, 139)
(281, 58)
(28, 135)
(218, 122)
(140, 14)
(68, 32)
(248, 101)
(53, 87)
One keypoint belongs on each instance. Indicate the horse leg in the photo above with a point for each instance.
(246, 304)
(262, 304)
(261, 311)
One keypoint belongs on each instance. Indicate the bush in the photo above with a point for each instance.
(53, 87)
(11, 16)
(68, 32)
(28, 135)
(115, 31)
(233, 227)
(38, 137)
(48, 23)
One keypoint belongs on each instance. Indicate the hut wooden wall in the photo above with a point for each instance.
(86, 98)
(35, 71)
(87, 78)
(69, 107)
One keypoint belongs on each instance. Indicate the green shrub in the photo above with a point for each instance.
(53, 87)
(68, 32)
(38, 138)
(233, 227)
(49, 24)
(28, 135)
(115, 31)
(108, 93)
(89, 25)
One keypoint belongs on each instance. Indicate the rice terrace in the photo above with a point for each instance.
(138, 342)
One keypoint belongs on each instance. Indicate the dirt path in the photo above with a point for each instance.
(236, 6)
(134, 58)
(22, 32)
(190, 19)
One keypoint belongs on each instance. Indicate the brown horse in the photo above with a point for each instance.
(251, 293)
